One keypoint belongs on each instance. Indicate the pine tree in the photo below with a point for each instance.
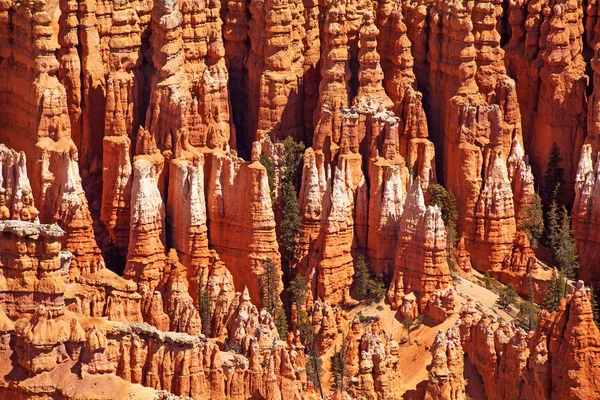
(527, 316)
(339, 367)
(291, 220)
(554, 176)
(314, 369)
(552, 222)
(594, 304)
(297, 290)
(564, 251)
(555, 293)
(448, 205)
(507, 296)
(270, 297)
(266, 162)
(313, 362)
(407, 324)
(531, 219)
(377, 288)
(113, 258)
(365, 282)
(362, 276)
(487, 280)
(204, 309)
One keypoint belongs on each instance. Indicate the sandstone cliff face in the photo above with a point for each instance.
(554, 361)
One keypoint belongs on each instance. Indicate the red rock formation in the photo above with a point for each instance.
(421, 264)
(584, 212)
(146, 255)
(335, 74)
(446, 370)
(549, 69)
(275, 66)
(15, 194)
(557, 359)
(244, 233)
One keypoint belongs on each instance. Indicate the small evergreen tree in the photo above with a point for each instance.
(339, 367)
(365, 282)
(407, 324)
(527, 316)
(297, 290)
(290, 220)
(564, 251)
(554, 176)
(270, 297)
(531, 219)
(487, 280)
(448, 205)
(204, 309)
(594, 304)
(314, 369)
(555, 293)
(377, 288)
(507, 296)
(313, 362)
(113, 258)
(362, 276)
(266, 162)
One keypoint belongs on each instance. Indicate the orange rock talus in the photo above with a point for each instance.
(557, 360)
(446, 380)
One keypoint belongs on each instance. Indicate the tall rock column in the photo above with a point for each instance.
(335, 74)
(446, 371)
(146, 255)
(585, 213)
(549, 69)
(275, 66)
(241, 229)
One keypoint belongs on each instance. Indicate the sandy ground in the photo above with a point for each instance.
(481, 295)
(415, 358)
